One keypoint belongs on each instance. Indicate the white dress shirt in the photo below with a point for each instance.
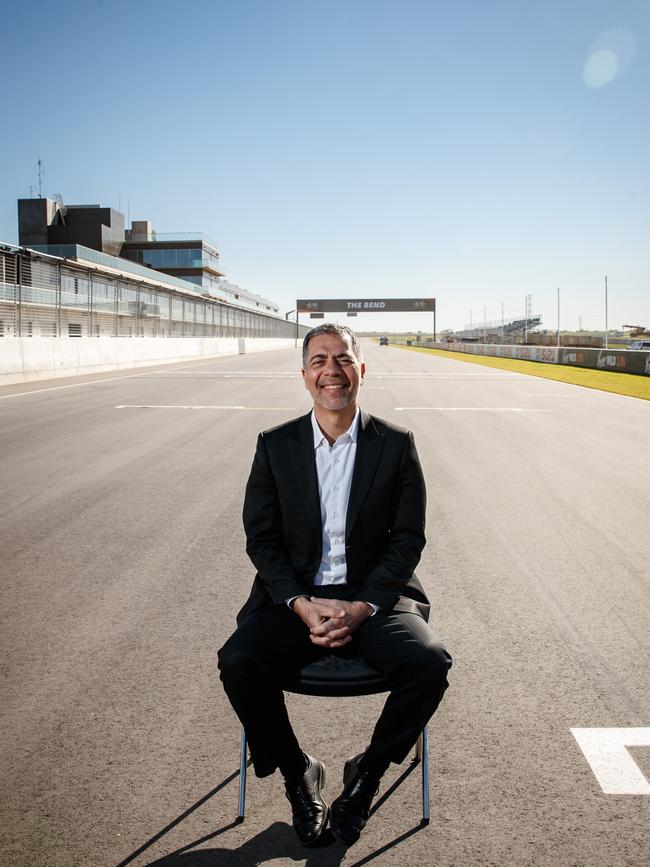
(334, 466)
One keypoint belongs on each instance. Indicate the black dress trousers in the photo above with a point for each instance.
(273, 642)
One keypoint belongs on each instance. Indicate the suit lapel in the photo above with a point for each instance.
(370, 445)
(301, 451)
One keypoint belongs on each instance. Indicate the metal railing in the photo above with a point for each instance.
(45, 296)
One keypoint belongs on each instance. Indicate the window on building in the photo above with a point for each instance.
(74, 329)
(153, 258)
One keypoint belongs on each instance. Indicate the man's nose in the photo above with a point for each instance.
(332, 366)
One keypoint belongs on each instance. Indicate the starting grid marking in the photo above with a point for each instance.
(470, 409)
(189, 406)
(606, 752)
(292, 408)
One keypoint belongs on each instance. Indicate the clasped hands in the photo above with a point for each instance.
(331, 622)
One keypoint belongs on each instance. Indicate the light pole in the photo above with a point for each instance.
(286, 316)
(525, 320)
(606, 324)
(558, 317)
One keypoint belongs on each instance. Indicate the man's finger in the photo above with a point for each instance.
(337, 634)
(329, 603)
(341, 641)
(326, 627)
(326, 641)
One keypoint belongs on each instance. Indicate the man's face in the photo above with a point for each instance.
(333, 374)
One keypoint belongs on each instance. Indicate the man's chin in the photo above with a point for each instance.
(334, 403)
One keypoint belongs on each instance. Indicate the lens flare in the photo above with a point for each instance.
(601, 68)
(609, 57)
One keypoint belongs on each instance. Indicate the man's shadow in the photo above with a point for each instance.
(277, 841)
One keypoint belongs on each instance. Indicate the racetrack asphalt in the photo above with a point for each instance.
(123, 566)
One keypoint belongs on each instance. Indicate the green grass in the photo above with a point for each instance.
(628, 384)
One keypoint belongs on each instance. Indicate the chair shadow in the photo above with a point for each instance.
(277, 841)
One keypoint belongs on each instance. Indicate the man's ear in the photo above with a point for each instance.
(363, 371)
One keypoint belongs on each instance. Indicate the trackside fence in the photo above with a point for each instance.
(42, 296)
(618, 360)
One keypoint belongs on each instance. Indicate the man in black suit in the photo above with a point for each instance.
(334, 517)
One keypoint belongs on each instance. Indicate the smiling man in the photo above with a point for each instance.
(334, 518)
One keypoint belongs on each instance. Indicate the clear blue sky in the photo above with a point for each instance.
(474, 151)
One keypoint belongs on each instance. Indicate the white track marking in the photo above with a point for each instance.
(471, 409)
(189, 406)
(613, 766)
(405, 374)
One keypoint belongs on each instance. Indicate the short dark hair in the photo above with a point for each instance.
(331, 328)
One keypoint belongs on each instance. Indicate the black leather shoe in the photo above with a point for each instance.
(310, 812)
(351, 809)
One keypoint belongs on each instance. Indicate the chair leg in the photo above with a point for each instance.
(242, 777)
(424, 739)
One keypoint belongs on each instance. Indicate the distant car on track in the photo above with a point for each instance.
(383, 341)
(640, 344)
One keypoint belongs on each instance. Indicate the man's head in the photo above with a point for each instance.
(332, 367)
(331, 328)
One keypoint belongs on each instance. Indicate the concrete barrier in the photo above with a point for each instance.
(27, 359)
(616, 360)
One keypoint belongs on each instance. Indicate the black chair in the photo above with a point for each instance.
(335, 676)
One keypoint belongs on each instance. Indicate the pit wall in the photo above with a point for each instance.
(25, 359)
(618, 360)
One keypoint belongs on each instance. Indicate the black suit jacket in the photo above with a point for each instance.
(384, 524)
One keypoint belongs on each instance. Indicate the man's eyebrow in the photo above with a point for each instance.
(320, 355)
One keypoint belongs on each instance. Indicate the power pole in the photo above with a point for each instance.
(606, 324)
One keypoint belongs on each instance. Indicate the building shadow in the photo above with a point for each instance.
(277, 841)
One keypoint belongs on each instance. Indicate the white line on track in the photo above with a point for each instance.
(606, 751)
(257, 374)
(423, 375)
(188, 406)
(472, 409)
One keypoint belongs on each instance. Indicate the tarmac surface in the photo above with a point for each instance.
(122, 567)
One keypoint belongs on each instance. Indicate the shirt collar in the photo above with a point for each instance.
(351, 433)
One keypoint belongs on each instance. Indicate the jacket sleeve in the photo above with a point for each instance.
(263, 527)
(388, 577)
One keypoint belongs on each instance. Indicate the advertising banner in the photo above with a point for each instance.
(580, 357)
(623, 361)
(366, 305)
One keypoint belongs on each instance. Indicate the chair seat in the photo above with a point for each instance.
(336, 675)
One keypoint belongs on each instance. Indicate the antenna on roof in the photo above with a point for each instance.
(41, 175)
